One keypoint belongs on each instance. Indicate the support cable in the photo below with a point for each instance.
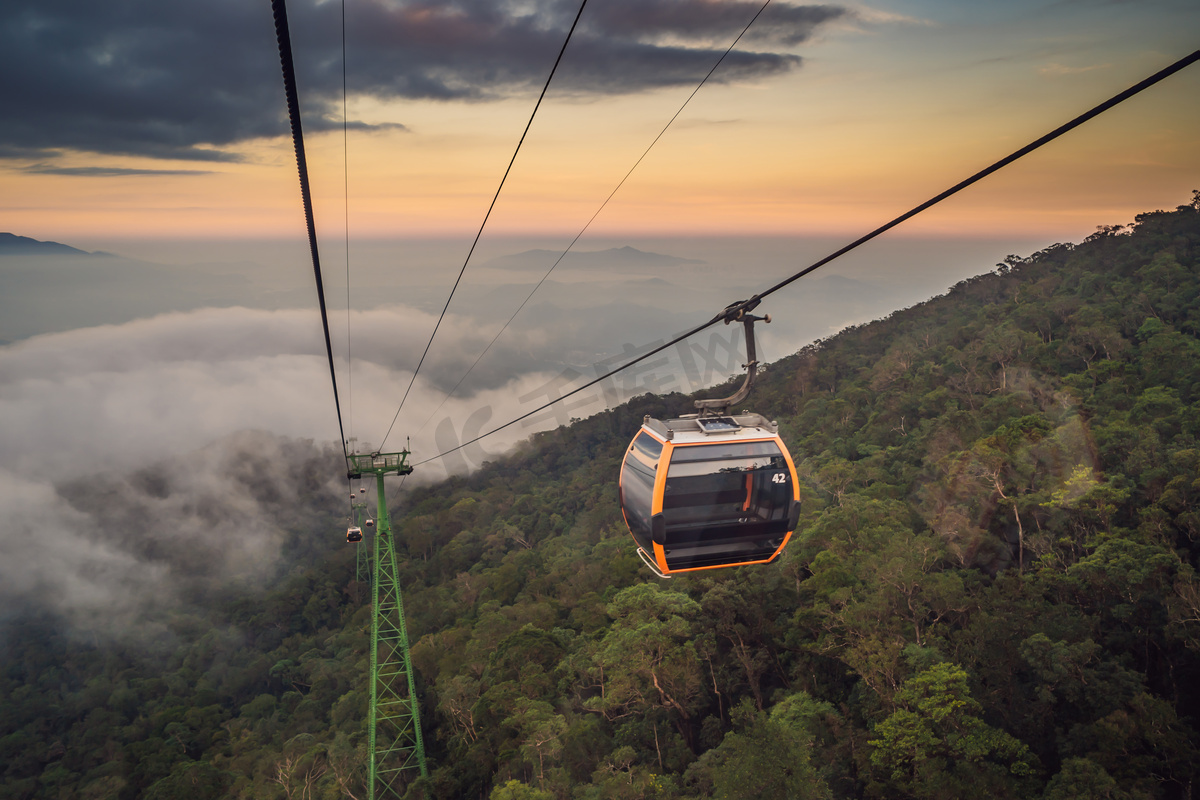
(289, 85)
(1004, 162)
(592, 219)
(484, 223)
(744, 306)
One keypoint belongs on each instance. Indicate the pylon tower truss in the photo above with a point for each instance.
(397, 751)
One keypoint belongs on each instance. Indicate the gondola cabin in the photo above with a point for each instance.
(354, 534)
(703, 492)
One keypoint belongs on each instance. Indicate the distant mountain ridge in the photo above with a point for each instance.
(624, 256)
(13, 245)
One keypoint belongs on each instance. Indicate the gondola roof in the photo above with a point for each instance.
(697, 429)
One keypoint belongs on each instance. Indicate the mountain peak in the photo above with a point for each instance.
(13, 245)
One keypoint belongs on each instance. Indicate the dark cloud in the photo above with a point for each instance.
(710, 20)
(191, 80)
(108, 172)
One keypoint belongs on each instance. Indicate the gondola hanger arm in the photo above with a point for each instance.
(738, 312)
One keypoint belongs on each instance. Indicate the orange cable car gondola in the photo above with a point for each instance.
(711, 489)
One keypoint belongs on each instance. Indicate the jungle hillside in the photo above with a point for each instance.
(992, 591)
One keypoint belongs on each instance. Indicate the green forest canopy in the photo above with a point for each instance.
(992, 591)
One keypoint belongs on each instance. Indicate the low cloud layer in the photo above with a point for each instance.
(113, 549)
(144, 464)
(117, 396)
(191, 81)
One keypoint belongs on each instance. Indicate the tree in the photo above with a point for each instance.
(192, 780)
(1083, 779)
(767, 757)
(515, 790)
(540, 731)
(648, 658)
(937, 746)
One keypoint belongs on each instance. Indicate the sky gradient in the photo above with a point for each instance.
(156, 121)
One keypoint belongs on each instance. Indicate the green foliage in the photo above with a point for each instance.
(993, 591)
(768, 756)
(935, 745)
(515, 790)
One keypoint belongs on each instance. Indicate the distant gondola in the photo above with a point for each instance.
(711, 489)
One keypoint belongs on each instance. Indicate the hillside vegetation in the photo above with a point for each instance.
(992, 592)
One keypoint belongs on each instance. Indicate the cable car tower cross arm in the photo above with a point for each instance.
(394, 740)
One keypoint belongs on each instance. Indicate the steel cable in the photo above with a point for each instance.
(484, 223)
(284, 39)
(750, 304)
(592, 219)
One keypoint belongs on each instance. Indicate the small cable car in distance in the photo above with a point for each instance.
(711, 489)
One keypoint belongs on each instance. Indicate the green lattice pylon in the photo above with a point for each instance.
(394, 744)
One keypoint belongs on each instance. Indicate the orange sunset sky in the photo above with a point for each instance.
(890, 103)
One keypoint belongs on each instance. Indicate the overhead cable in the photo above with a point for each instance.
(588, 224)
(983, 173)
(484, 223)
(289, 85)
(747, 305)
(346, 226)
